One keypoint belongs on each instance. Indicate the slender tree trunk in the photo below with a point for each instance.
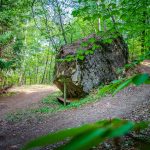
(99, 19)
(1, 3)
(45, 69)
(99, 25)
(37, 69)
(21, 78)
(47, 27)
(25, 79)
(50, 69)
(0, 52)
(143, 34)
(61, 22)
(113, 19)
(30, 78)
(71, 37)
(65, 91)
(37, 72)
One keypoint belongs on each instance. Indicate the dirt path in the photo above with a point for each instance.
(24, 97)
(131, 103)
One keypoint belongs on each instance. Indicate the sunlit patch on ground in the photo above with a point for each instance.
(146, 63)
(33, 88)
(145, 66)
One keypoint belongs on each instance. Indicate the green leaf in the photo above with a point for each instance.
(117, 81)
(147, 81)
(121, 129)
(58, 136)
(92, 40)
(81, 57)
(122, 86)
(75, 13)
(91, 52)
(80, 51)
(141, 125)
(84, 44)
(140, 79)
(86, 140)
(94, 136)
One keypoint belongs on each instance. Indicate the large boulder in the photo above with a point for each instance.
(87, 63)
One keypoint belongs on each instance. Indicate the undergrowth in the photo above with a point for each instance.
(8, 94)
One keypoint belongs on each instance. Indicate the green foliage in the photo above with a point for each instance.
(123, 85)
(89, 135)
(117, 16)
(109, 89)
(23, 47)
(42, 25)
(140, 79)
(117, 85)
(82, 51)
(136, 79)
(137, 61)
(6, 64)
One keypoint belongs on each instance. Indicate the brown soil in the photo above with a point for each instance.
(23, 97)
(131, 103)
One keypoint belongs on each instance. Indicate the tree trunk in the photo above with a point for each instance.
(44, 73)
(61, 22)
(143, 35)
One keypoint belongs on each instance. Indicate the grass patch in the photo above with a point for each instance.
(19, 115)
(52, 103)
(7, 94)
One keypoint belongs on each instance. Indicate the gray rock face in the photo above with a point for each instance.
(81, 76)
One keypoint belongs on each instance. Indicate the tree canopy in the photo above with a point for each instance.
(32, 32)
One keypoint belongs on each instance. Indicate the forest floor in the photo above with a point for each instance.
(131, 103)
(22, 97)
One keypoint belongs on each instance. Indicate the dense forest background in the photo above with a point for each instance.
(32, 32)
